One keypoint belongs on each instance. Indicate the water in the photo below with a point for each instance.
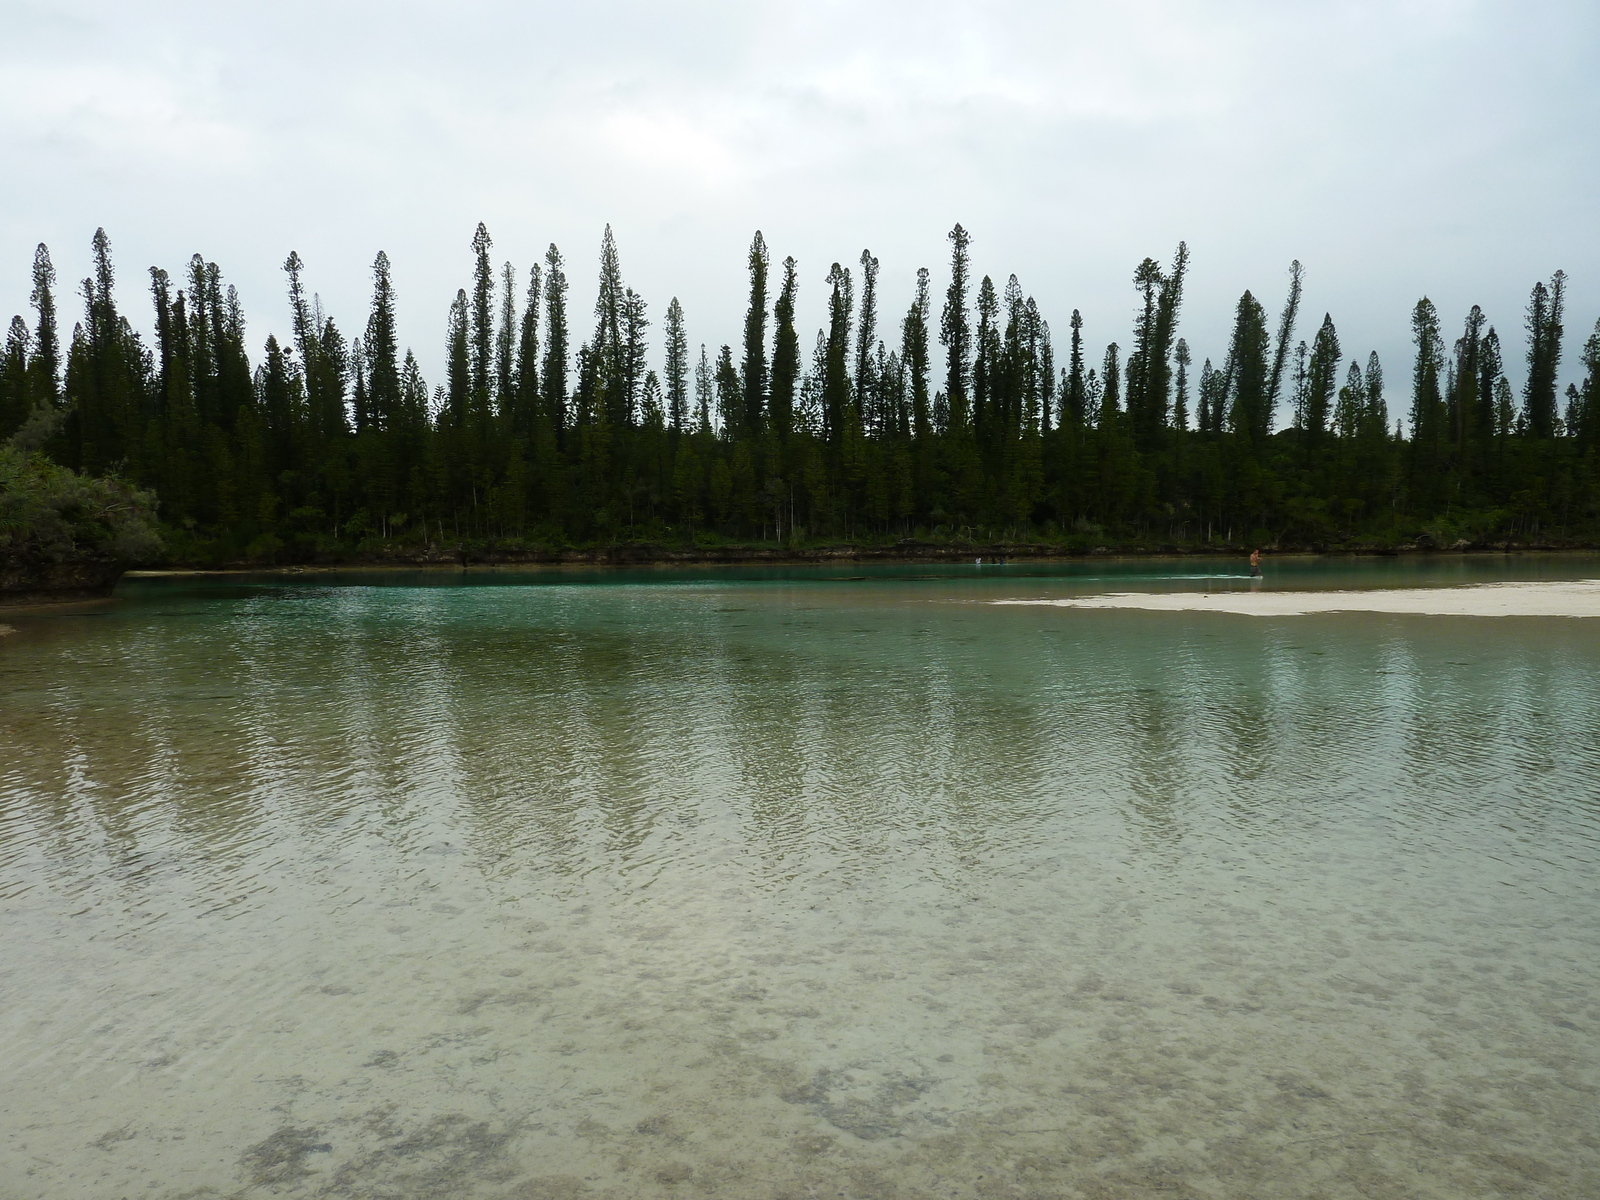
(780, 884)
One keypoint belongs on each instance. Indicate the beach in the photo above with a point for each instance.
(1577, 598)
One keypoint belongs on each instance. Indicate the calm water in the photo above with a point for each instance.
(781, 883)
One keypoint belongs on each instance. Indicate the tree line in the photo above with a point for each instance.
(959, 421)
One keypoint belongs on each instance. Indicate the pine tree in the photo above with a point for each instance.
(382, 348)
(914, 356)
(955, 333)
(1180, 396)
(557, 344)
(1505, 409)
(1110, 389)
(169, 352)
(1208, 398)
(333, 376)
(1286, 321)
(809, 417)
(1158, 368)
(278, 407)
(1248, 376)
(1075, 395)
(171, 452)
(481, 332)
(755, 337)
(785, 352)
(1016, 368)
(15, 393)
(1545, 311)
(237, 452)
(1093, 394)
(651, 415)
(867, 337)
(836, 380)
(1297, 392)
(1377, 407)
(1490, 366)
(1321, 379)
(1584, 423)
(106, 375)
(361, 401)
(1043, 356)
(1147, 281)
(323, 367)
(985, 356)
(45, 362)
(235, 380)
(505, 347)
(1463, 400)
(705, 393)
(528, 408)
(305, 329)
(607, 346)
(415, 413)
(1426, 401)
(730, 392)
(200, 340)
(1352, 403)
(677, 368)
(634, 350)
(458, 365)
(1429, 423)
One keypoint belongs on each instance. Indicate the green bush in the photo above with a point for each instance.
(49, 513)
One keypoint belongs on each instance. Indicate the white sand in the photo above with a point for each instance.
(1576, 598)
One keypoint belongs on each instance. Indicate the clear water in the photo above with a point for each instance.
(785, 884)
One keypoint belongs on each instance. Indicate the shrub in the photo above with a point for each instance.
(49, 513)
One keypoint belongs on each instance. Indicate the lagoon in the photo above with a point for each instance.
(789, 882)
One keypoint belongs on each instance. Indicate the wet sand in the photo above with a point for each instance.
(1580, 598)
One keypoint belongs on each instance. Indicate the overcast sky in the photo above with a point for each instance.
(1396, 148)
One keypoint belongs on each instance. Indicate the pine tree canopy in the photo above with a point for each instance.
(329, 439)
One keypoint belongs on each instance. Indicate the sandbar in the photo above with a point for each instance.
(1569, 598)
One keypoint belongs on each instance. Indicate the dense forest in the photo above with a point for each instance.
(956, 418)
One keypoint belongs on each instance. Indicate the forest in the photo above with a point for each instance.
(957, 419)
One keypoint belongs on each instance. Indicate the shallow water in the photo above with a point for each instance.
(780, 883)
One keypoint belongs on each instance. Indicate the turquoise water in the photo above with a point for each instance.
(792, 882)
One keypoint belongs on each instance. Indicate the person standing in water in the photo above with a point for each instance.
(1255, 564)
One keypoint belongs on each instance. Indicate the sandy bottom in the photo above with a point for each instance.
(727, 894)
(1580, 598)
(1061, 1040)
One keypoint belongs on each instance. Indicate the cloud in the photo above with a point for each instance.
(113, 113)
(1437, 146)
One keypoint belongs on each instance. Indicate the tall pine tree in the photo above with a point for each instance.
(677, 368)
(955, 330)
(1544, 316)
(755, 337)
(785, 352)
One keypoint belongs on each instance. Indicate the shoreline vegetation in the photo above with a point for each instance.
(63, 535)
(946, 430)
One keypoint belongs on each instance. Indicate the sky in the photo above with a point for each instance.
(1402, 148)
